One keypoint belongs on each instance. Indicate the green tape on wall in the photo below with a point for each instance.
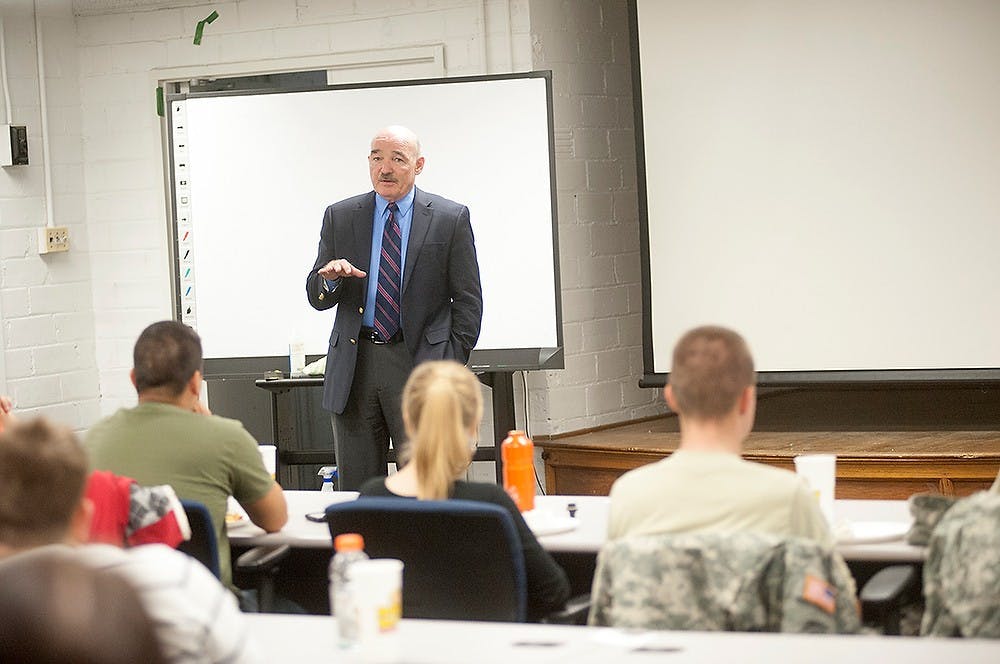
(200, 28)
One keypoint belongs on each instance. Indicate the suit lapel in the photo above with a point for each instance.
(420, 223)
(363, 222)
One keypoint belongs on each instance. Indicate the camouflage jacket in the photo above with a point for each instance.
(723, 581)
(927, 510)
(962, 571)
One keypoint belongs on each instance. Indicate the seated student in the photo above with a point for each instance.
(442, 407)
(56, 609)
(705, 485)
(43, 469)
(170, 438)
(126, 514)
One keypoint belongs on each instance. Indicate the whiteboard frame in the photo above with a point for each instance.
(481, 360)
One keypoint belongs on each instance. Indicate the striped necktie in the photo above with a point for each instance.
(389, 278)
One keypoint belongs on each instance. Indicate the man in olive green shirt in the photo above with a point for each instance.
(171, 438)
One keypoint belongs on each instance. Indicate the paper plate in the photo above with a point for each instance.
(549, 523)
(234, 521)
(871, 532)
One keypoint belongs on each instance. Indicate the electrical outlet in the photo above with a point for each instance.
(52, 239)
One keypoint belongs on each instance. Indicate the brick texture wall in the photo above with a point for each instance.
(69, 320)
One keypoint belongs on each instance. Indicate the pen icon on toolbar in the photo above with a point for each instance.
(187, 292)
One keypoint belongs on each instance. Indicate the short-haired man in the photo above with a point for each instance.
(43, 512)
(705, 485)
(170, 438)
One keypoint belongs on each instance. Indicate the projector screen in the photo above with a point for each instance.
(253, 174)
(823, 177)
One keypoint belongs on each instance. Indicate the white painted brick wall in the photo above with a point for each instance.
(103, 115)
(585, 43)
(47, 343)
(118, 53)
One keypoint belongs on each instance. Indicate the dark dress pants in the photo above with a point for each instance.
(372, 416)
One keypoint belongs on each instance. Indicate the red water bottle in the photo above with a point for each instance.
(518, 454)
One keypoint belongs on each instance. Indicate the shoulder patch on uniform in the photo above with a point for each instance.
(817, 591)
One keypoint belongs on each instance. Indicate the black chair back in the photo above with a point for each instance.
(202, 546)
(462, 560)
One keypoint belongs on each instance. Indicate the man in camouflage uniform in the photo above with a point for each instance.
(705, 485)
(714, 581)
(962, 571)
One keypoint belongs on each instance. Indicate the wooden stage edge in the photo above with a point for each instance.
(870, 464)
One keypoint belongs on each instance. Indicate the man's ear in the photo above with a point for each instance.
(668, 395)
(131, 377)
(748, 399)
(194, 384)
(419, 166)
(79, 523)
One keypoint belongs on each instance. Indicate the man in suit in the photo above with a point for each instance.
(401, 264)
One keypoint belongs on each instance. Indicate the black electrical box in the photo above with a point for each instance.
(15, 151)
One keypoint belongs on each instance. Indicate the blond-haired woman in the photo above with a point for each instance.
(442, 407)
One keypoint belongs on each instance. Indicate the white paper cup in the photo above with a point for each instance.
(820, 472)
(377, 592)
(268, 453)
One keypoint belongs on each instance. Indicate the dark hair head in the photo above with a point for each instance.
(712, 366)
(55, 610)
(166, 355)
(43, 469)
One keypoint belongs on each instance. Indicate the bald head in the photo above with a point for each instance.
(394, 162)
(401, 134)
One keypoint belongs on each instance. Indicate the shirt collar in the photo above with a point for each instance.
(404, 204)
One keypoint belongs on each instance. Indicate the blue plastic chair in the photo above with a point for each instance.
(260, 564)
(462, 559)
(202, 546)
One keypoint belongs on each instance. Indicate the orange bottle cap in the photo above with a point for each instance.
(349, 542)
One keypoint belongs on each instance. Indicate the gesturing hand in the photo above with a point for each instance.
(340, 267)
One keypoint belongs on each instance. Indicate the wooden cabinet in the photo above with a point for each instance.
(872, 465)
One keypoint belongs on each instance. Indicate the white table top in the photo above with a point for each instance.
(588, 537)
(284, 638)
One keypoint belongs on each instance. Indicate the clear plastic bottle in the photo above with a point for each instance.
(349, 549)
(328, 473)
(296, 358)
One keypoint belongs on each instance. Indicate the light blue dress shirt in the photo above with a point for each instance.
(381, 215)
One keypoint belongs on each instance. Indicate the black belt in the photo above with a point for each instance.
(369, 334)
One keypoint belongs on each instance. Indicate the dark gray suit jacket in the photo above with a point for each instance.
(442, 299)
